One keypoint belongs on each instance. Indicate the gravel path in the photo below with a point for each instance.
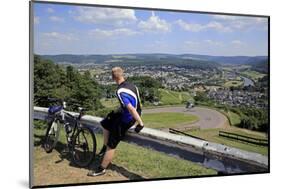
(208, 118)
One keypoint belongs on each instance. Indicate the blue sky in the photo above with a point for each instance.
(68, 29)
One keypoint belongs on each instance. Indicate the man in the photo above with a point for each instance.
(116, 123)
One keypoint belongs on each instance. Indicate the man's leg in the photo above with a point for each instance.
(104, 164)
(105, 136)
(107, 157)
(105, 140)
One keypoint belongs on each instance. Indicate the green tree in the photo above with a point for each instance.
(51, 80)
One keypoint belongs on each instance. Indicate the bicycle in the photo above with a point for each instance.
(80, 139)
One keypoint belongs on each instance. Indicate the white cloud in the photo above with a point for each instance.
(36, 20)
(108, 16)
(50, 10)
(189, 27)
(154, 24)
(237, 42)
(225, 17)
(191, 43)
(56, 19)
(218, 26)
(98, 33)
(194, 27)
(203, 43)
(60, 36)
(226, 23)
(213, 43)
(242, 22)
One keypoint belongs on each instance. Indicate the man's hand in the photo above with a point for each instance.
(136, 116)
(138, 128)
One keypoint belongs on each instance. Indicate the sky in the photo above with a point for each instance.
(72, 29)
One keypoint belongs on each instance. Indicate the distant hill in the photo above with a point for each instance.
(154, 57)
(229, 59)
(260, 66)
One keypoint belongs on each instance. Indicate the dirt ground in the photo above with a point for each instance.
(53, 168)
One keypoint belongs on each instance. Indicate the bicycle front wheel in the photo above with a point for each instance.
(84, 147)
(52, 136)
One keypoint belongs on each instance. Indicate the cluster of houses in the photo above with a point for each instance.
(239, 97)
(177, 78)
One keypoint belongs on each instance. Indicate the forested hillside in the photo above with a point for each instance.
(51, 80)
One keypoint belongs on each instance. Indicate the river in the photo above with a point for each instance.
(247, 81)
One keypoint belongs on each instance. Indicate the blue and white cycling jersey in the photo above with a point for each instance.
(127, 93)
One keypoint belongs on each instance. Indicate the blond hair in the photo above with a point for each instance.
(117, 72)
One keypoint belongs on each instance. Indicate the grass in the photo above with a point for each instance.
(169, 97)
(213, 136)
(253, 74)
(233, 83)
(143, 161)
(234, 118)
(167, 119)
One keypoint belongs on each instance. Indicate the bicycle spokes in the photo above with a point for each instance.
(83, 151)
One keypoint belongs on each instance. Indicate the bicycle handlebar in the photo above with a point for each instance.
(70, 101)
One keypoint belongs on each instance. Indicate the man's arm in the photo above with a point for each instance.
(134, 113)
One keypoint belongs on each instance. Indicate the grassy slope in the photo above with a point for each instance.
(148, 163)
(167, 119)
(168, 97)
(152, 164)
(234, 118)
(213, 135)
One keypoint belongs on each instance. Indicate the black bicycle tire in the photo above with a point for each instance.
(94, 147)
(49, 150)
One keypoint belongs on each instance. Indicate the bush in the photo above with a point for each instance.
(39, 124)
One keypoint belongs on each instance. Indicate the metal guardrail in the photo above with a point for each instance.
(174, 131)
(210, 147)
(252, 140)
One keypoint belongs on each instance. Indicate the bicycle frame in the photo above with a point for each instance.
(58, 117)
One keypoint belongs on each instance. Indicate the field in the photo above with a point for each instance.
(167, 119)
(234, 118)
(213, 135)
(131, 162)
(253, 74)
(168, 97)
(233, 83)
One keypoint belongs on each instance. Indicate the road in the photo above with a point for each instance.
(208, 118)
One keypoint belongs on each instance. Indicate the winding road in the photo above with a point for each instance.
(208, 118)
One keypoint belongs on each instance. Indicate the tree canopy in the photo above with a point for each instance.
(51, 80)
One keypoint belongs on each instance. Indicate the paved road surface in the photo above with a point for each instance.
(208, 118)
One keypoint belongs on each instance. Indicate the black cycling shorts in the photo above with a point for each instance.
(117, 129)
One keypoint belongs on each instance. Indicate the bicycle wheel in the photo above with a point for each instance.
(84, 147)
(52, 136)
